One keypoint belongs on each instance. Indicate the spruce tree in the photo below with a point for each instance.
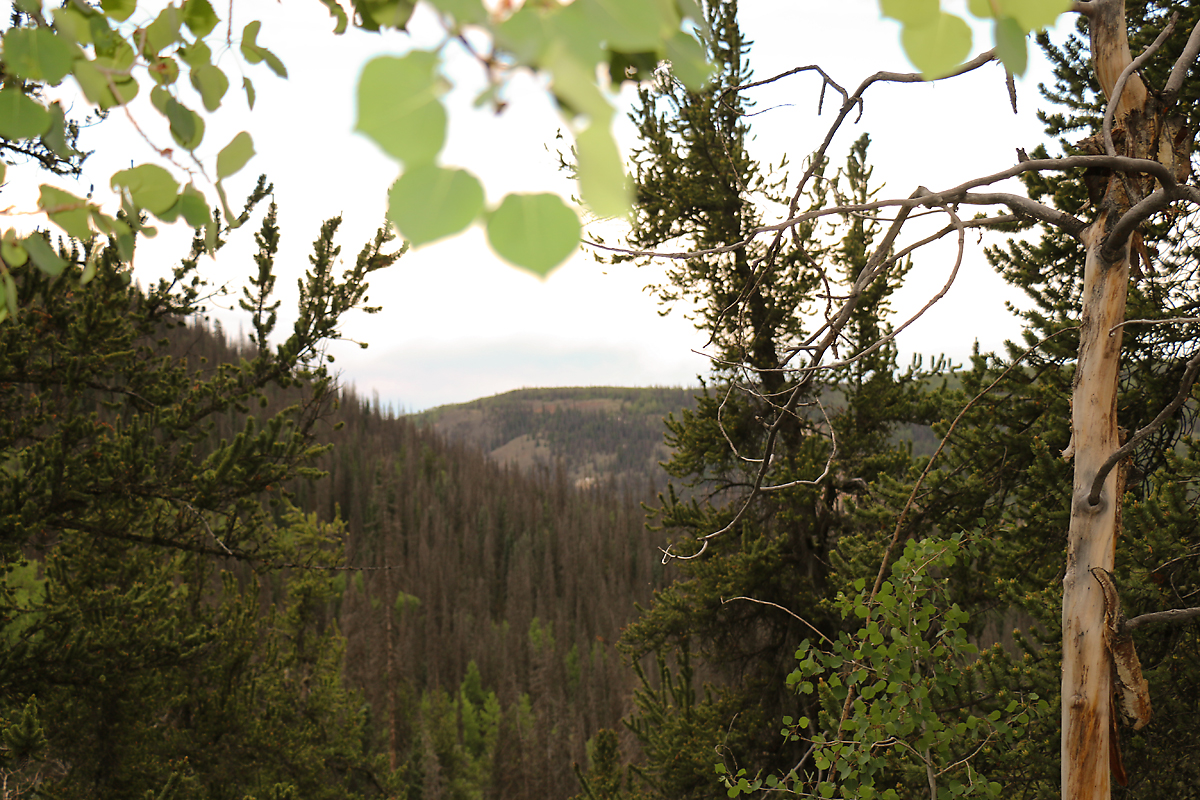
(724, 622)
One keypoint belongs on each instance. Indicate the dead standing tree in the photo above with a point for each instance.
(1144, 152)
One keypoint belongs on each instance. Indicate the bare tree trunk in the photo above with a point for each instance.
(1088, 747)
(1086, 678)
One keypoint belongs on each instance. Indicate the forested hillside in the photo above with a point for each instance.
(594, 433)
(481, 625)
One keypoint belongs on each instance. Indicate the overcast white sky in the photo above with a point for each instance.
(457, 324)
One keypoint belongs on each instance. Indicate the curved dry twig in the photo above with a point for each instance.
(1185, 391)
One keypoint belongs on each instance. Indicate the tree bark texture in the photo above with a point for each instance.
(1086, 678)
(1088, 746)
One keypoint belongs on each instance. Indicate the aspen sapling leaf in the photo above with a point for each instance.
(234, 155)
(37, 54)
(43, 255)
(398, 107)
(66, 211)
(1011, 45)
(465, 12)
(1034, 15)
(689, 62)
(13, 253)
(912, 12)
(602, 181)
(20, 117)
(631, 25)
(163, 32)
(212, 84)
(118, 9)
(536, 232)
(200, 18)
(150, 187)
(937, 48)
(431, 202)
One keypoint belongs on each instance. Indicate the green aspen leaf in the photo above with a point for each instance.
(164, 71)
(163, 32)
(569, 28)
(1011, 45)
(66, 211)
(378, 14)
(250, 95)
(524, 34)
(43, 255)
(194, 207)
(464, 12)
(117, 54)
(536, 232)
(200, 18)
(37, 54)
(73, 24)
(335, 11)
(398, 107)
(936, 49)
(250, 40)
(21, 117)
(912, 12)
(118, 9)
(574, 85)
(196, 54)
(253, 52)
(159, 97)
(102, 36)
(980, 8)
(689, 62)
(187, 127)
(631, 25)
(12, 252)
(273, 62)
(1034, 15)
(103, 89)
(234, 155)
(116, 229)
(89, 268)
(149, 186)
(602, 180)
(431, 202)
(212, 84)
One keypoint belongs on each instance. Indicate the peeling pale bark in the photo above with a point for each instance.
(1087, 684)
(1088, 747)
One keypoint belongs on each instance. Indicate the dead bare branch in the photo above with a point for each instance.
(787, 611)
(1159, 617)
(1186, 59)
(1185, 391)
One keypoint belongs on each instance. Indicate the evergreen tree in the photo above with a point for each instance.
(696, 182)
(157, 600)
